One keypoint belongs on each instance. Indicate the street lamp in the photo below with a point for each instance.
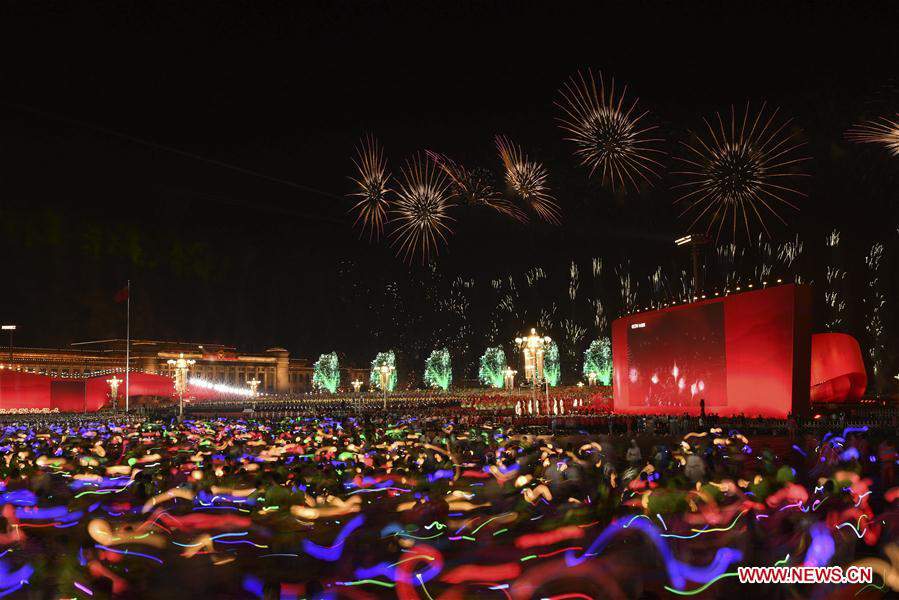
(181, 366)
(533, 347)
(385, 372)
(510, 374)
(114, 391)
(254, 390)
(591, 378)
(10, 329)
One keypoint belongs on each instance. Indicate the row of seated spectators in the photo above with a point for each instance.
(336, 405)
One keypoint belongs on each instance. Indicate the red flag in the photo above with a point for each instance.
(121, 295)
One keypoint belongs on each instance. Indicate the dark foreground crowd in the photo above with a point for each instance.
(414, 506)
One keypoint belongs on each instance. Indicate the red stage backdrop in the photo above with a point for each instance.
(746, 353)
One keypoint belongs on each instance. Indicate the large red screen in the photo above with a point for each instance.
(746, 353)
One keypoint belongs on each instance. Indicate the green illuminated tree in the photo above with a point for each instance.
(493, 367)
(552, 369)
(326, 373)
(438, 369)
(383, 358)
(598, 360)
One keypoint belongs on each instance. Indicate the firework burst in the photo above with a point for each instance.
(527, 180)
(611, 137)
(420, 210)
(474, 187)
(372, 188)
(881, 131)
(740, 172)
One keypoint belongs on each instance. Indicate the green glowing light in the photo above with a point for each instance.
(552, 369)
(703, 588)
(598, 360)
(699, 590)
(478, 528)
(80, 494)
(326, 373)
(493, 367)
(438, 369)
(415, 537)
(369, 581)
(872, 585)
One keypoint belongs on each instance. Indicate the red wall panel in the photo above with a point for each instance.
(23, 390)
(67, 395)
(28, 390)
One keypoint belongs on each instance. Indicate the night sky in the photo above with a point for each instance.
(114, 114)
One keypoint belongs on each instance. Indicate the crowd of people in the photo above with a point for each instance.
(521, 403)
(330, 405)
(417, 505)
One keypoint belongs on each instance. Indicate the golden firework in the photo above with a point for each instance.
(611, 137)
(420, 211)
(526, 179)
(880, 131)
(741, 171)
(372, 188)
(474, 187)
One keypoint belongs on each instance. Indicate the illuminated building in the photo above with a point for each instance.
(274, 369)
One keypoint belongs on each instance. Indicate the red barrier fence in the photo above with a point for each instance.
(19, 389)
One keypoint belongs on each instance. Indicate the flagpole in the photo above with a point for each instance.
(127, 344)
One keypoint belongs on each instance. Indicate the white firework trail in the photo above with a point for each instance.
(789, 252)
(836, 306)
(573, 334)
(627, 287)
(573, 281)
(659, 282)
(727, 257)
(534, 274)
(547, 318)
(765, 256)
(834, 276)
(685, 281)
(876, 302)
(599, 314)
